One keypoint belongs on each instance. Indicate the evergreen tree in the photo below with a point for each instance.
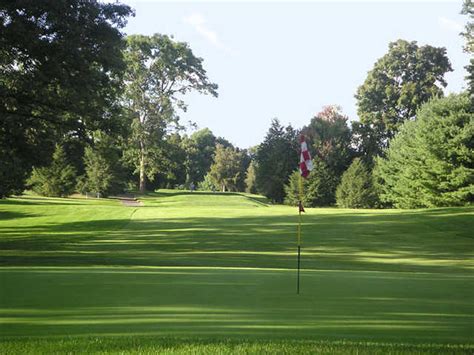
(292, 190)
(104, 173)
(57, 179)
(98, 173)
(356, 189)
(276, 158)
(430, 162)
(317, 190)
(322, 184)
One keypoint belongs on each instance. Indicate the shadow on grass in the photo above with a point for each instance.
(4, 215)
(433, 240)
(42, 201)
(234, 303)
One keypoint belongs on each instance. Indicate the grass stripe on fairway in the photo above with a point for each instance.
(202, 229)
(207, 272)
(237, 303)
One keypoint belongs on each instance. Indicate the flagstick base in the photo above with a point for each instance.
(298, 277)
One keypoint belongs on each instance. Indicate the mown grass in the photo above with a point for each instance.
(220, 230)
(215, 273)
(152, 345)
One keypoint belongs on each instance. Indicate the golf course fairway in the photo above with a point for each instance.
(208, 272)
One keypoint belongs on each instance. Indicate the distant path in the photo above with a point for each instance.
(129, 200)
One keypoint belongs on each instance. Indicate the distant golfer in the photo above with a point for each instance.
(192, 187)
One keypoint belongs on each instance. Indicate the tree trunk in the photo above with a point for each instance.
(142, 171)
(223, 188)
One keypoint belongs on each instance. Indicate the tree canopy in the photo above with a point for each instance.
(468, 33)
(227, 170)
(430, 163)
(329, 139)
(276, 158)
(60, 68)
(104, 173)
(199, 149)
(57, 180)
(78, 98)
(400, 82)
(356, 189)
(159, 71)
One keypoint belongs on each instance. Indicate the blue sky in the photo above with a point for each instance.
(289, 59)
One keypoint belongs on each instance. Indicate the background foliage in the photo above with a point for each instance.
(430, 162)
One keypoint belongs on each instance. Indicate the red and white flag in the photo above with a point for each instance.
(306, 165)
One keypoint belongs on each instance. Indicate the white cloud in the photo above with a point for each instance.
(450, 24)
(199, 23)
(195, 19)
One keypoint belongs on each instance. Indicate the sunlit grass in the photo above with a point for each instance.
(150, 345)
(237, 303)
(215, 272)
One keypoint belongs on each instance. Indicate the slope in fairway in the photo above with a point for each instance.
(213, 266)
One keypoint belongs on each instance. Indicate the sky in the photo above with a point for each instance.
(287, 60)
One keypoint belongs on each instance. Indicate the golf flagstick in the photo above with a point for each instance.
(301, 209)
(306, 166)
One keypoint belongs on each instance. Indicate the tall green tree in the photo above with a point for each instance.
(329, 139)
(292, 190)
(227, 168)
(171, 173)
(246, 161)
(98, 173)
(430, 163)
(199, 149)
(356, 189)
(104, 173)
(317, 190)
(60, 68)
(400, 82)
(57, 180)
(322, 184)
(224, 142)
(250, 179)
(276, 159)
(159, 72)
(468, 33)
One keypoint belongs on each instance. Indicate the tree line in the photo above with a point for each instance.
(87, 109)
